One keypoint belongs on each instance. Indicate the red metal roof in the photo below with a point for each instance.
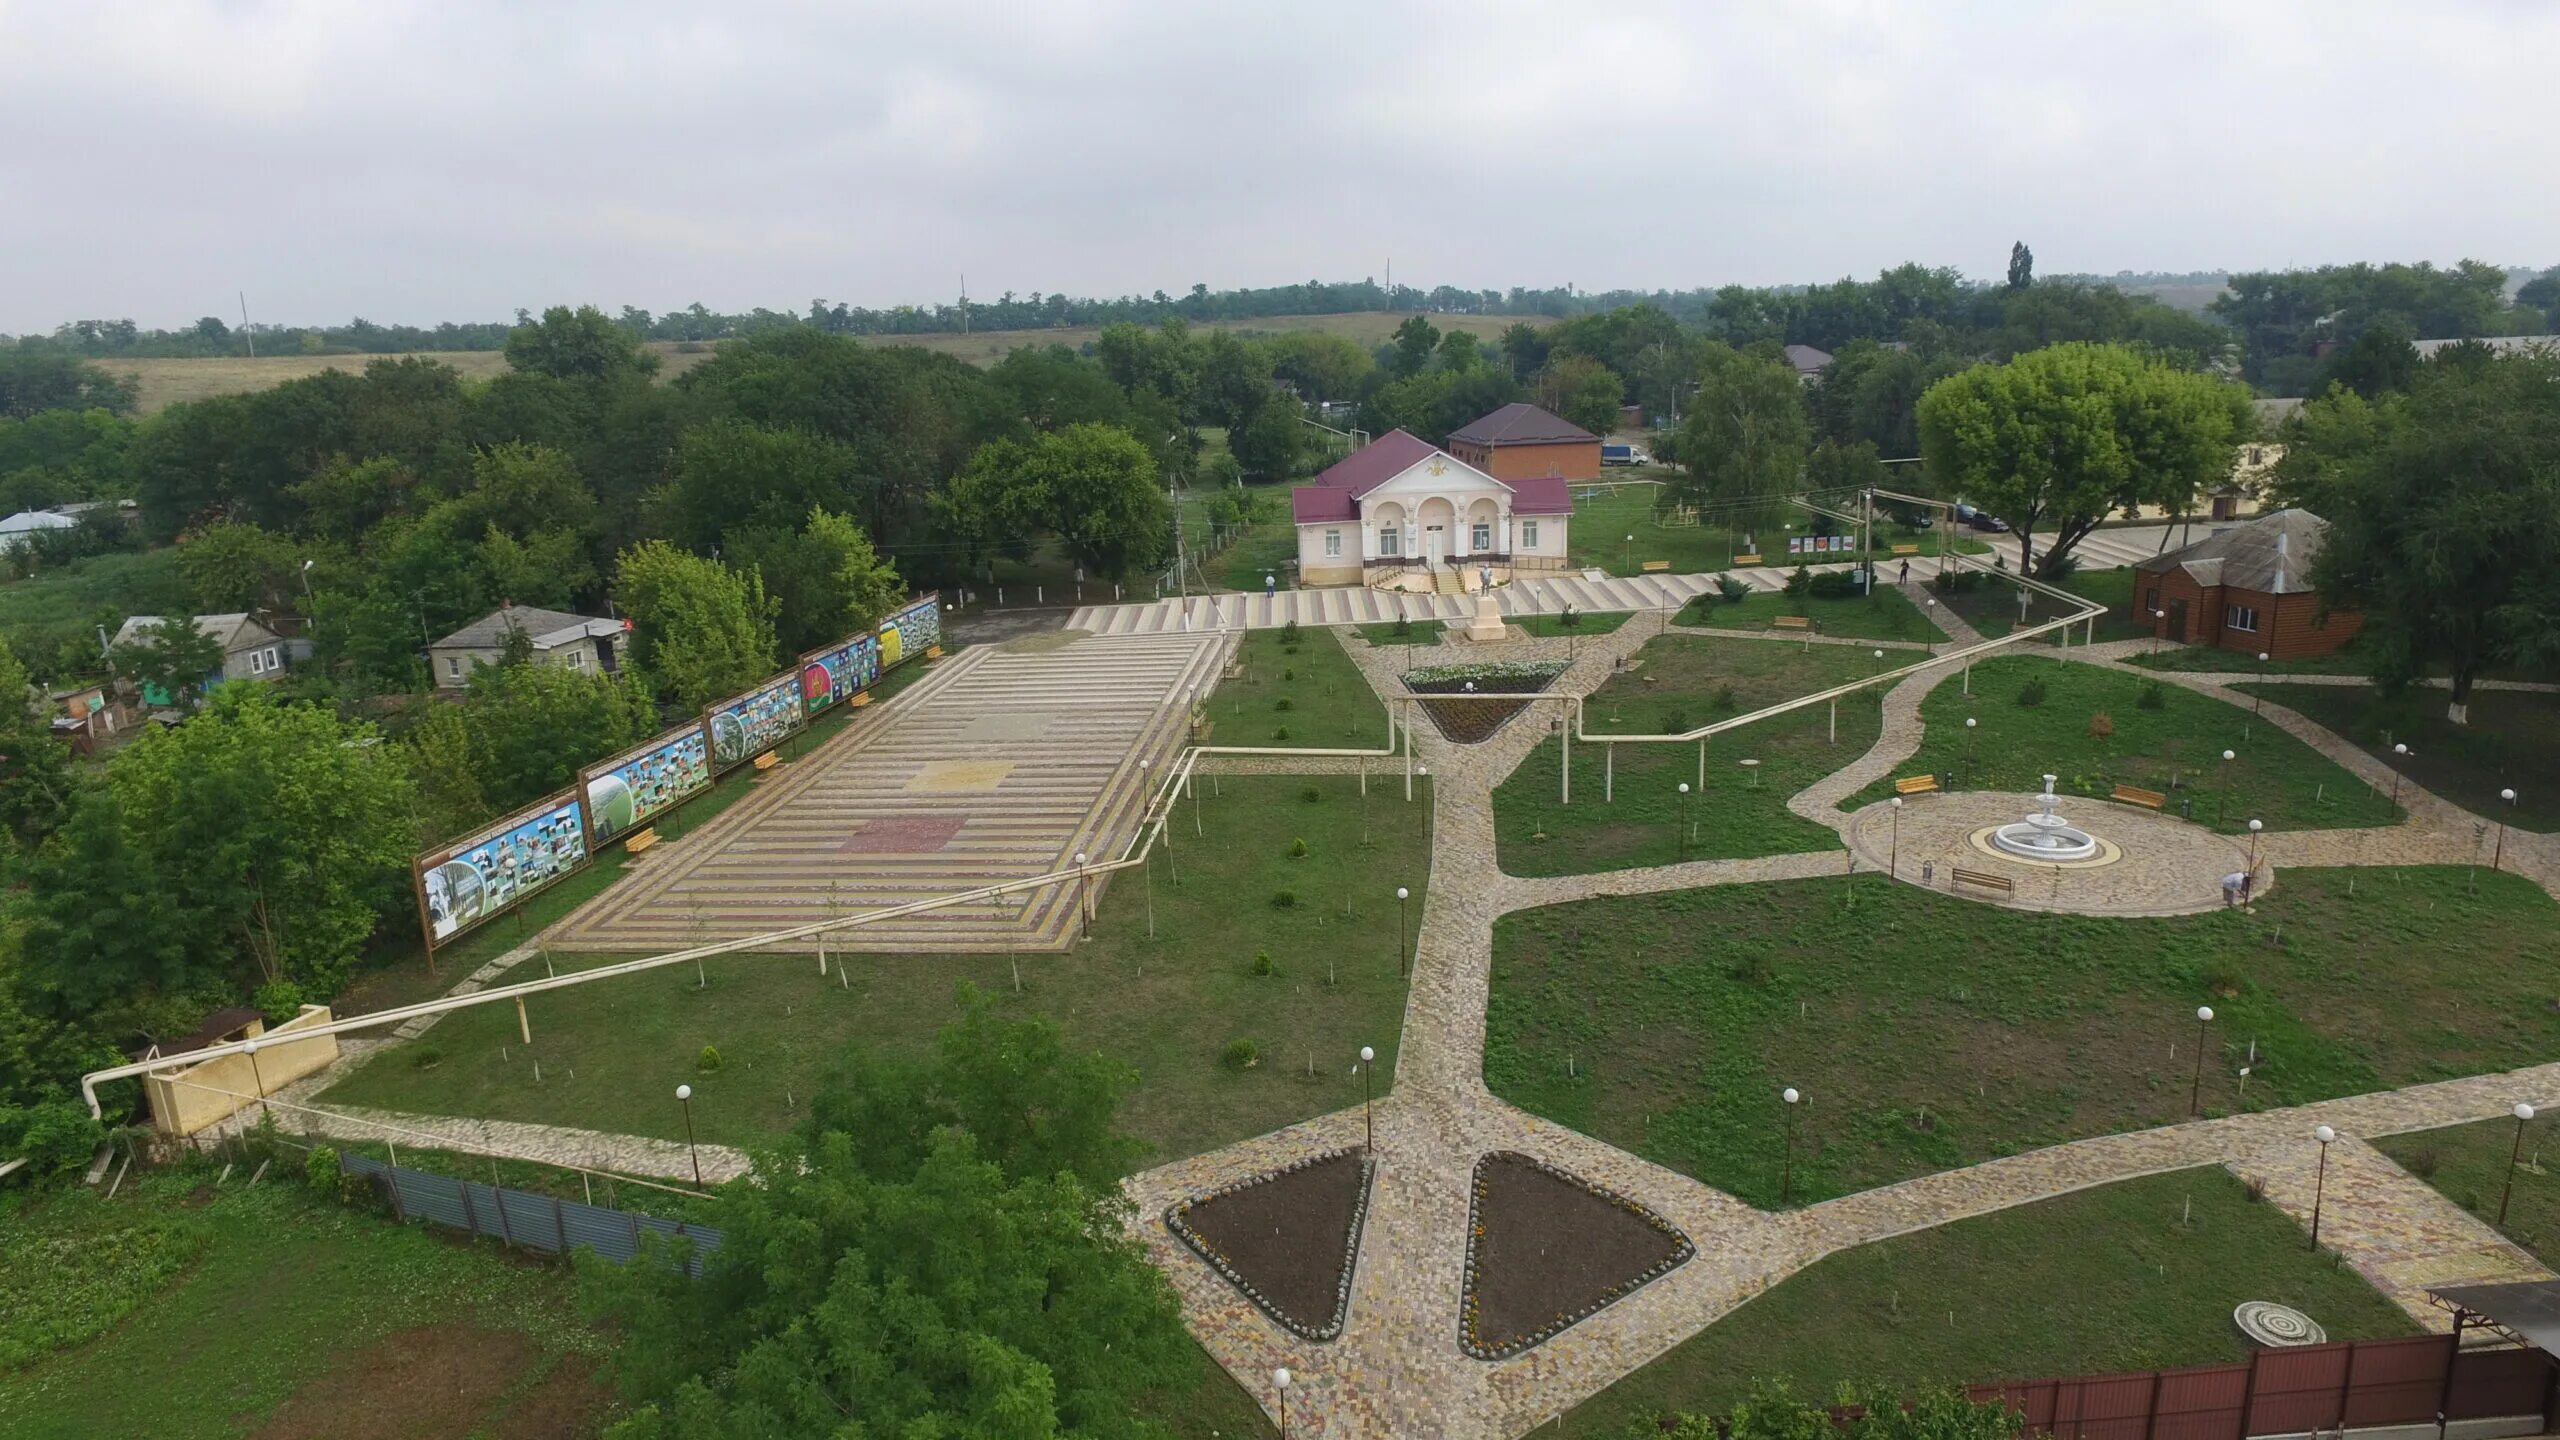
(1377, 462)
(1311, 504)
(1541, 495)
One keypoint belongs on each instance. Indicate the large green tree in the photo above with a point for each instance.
(1094, 487)
(580, 344)
(521, 732)
(1742, 447)
(2056, 439)
(702, 631)
(32, 381)
(826, 579)
(942, 1251)
(1584, 392)
(2443, 505)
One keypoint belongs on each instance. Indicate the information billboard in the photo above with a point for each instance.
(908, 633)
(649, 779)
(749, 725)
(499, 866)
(837, 673)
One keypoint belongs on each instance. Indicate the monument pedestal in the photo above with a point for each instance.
(1487, 624)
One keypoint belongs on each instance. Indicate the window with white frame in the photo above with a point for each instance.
(1528, 534)
(257, 662)
(275, 658)
(453, 666)
(2240, 617)
(1390, 542)
(1481, 536)
(1333, 544)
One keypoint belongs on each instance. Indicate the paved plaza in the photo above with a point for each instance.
(999, 734)
(1002, 764)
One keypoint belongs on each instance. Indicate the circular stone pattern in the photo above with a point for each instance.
(2263, 1322)
(2148, 863)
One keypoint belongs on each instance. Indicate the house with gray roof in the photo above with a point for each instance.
(581, 642)
(250, 651)
(2245, 587)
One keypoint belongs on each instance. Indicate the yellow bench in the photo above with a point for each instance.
(641, 841)
(1916, 785)
(2134, 795)
(1746, 559)
(1793, 622)
(1656, 567)
(768, 760)
(1906, 549)
(1985, 879)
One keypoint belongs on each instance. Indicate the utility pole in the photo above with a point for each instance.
(1181, 570)
(964, 302)
(244, 325)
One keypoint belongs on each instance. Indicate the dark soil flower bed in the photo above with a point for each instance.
(1287, 1239)
(1472, 722)
(1546, 1249)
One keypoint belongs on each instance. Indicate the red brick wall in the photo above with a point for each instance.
(1576, 461)
(2289, 626)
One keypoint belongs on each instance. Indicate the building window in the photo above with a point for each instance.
(274, 660)
(1390, 542)
(1481, 537)
(2241, 617)
(1528, 534)
(1332, 544)
(453, 667)
(257, 663)
(2150, 599)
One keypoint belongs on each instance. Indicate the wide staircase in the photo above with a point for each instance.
(1448, 579)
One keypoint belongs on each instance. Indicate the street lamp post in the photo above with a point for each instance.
(1929, 637)
(1368, 1127)
(2159, 632)
(2499, 855)
(684, 1097)
(1401, 894)
(1423, 772)
(1684, 819)
(2403, 752)
(2523, 1113)
(1084, 915)
(1280, 1382)
(2222, 803)
(1787, 1166)
(2195, 1090)
(1896, 865)
(2258, 702)
(2320, 1185)
(2255, 826)
(1969, 723)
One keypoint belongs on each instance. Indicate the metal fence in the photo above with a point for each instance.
(2353, 1386)
(519, 1217)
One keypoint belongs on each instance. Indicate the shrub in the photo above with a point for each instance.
(1262, 963)
(1284, 703)
(2033, 695)
(1674, 721)
(1800, 581)
(708, 1060)
(1284, 899)
(278, 1000)
(1402, 627)
(1298, 849)
(1311, 795)
(1833, 585)
(1240, 1055)
(1734, 591)
(320, 1169)
(2058, 568)
(2423, 1162)
(425, 1057)
(1280, 734)
(1288, 672)
(55, 1136)
(1570, 618)
(2154, 696)
(1724, 698)
(1289, 634)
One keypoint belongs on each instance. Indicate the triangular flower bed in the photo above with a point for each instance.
(1287, 1239)
(1472, 722)
(1546, 1250)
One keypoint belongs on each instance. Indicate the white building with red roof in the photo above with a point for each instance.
(1401, 514)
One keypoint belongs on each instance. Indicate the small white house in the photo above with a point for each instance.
(1400, 513)
(21, 529)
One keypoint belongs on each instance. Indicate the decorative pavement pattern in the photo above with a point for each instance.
(1397, 1369)
(1001, 765)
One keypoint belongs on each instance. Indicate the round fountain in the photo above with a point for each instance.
(2047, 837)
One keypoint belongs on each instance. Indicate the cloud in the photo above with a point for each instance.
(425, 161)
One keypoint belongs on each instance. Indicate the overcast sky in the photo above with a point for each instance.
(452, 160)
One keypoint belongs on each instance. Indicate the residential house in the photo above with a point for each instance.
(20, 529)
(250, 651)
(1399, 513)
(581, 642)
(1523, 442)
(2246, 587)
(1809, 362)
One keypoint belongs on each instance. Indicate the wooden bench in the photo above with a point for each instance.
(1906, 549)
(1916, 785)
(641, 841)
(1746, 559)
(1656, 567)
(2134, 795)
(1983, 878)
(1793, 622)
(768, 760)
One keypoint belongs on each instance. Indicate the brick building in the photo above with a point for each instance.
(2246, 587)
(1523, 442)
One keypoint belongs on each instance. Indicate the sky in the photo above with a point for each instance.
(411, 162)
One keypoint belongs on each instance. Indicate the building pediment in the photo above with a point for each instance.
(1436, 475)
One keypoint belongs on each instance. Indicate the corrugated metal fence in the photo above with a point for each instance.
(2356, 1385)
(518, 1217)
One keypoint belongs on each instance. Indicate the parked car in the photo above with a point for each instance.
(1988, 524)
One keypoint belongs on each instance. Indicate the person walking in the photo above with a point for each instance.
(1906, 569)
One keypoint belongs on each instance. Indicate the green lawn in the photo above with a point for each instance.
(2175, 748)
(2350, 660)
(2512, 742)
(1418, 632)
(1602, 523)
(1992, 606)
(1678, 682)
(1302, 693)
(1589, 622)
(2135, 1275)
(2469, 1164)
(1667, 1024)
(1887, 615)
(613, 1052)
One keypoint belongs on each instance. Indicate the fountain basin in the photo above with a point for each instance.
(2045, 838)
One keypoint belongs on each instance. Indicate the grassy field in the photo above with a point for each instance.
(1604, 520)
(2012, 1296)
(2512, 742)
(612, 1053)
(2350, 660)
(1593, 622)
(1667, 1024)
(2175, 748)
(1889, 614)
(1992, 607)
(1304, 694)
(1681, 683)
(2468, 1163)
(1419, 632)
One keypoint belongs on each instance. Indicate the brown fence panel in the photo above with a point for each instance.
(2298, 1390)
(2397, 1382)
(2106, 1407)
(2498, 1382)
(2202, 1403)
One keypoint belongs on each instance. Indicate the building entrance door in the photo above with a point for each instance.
(2177, 622)
(1435, 545)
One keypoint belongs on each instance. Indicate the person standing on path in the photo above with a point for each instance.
(1906, 569)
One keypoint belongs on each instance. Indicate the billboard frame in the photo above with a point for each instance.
(573, 798)
(789, 682)
(587, 776)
